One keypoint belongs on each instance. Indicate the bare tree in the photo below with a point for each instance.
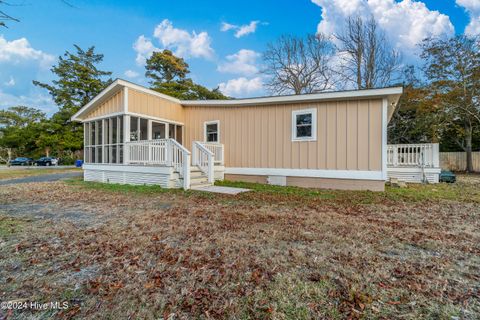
(4, 16)
(452, 67)
(366, 58)
(298, 65)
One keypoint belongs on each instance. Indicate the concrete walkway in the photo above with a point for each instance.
(224, 190)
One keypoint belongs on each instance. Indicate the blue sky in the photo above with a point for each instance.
(221, 40)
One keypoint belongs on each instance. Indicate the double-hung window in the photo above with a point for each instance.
(304, 125)
(212, 131)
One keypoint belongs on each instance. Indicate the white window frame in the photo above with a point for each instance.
(217, 122)
(295, 113)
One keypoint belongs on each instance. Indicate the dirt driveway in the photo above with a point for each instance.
(42, 178)
(275, 253)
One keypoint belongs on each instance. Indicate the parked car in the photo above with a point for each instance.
(21, 161)
(46, 161)
(447, 176)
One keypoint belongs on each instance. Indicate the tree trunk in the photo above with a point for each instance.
(468, 147)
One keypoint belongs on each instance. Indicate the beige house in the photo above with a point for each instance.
(338, 140)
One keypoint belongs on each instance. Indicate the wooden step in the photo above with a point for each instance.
(199, 185)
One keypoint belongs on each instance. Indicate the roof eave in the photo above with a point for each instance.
(325, 96)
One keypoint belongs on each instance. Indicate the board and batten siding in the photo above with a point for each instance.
(111, 105)
(349, 135)
(148, 104)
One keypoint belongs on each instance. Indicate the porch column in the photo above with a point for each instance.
(126, 138)
(436, 155)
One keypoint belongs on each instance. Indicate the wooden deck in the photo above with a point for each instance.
(414, 163)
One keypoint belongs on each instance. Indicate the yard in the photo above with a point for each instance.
(115, 251)
(22, 172)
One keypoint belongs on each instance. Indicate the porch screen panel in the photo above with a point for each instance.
(104, 141)
(178, 136)
(133, 129)
(143, 132)
(158, 130)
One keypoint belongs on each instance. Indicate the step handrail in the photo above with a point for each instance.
(179, 158)
(203, 158)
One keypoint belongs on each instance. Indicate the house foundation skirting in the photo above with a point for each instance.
(310, 182)
(134, 175)
(414, 174)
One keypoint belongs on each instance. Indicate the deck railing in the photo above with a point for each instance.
(180, 160)
(413, 155)
(147, 152)
(217, 150)
(160, 152)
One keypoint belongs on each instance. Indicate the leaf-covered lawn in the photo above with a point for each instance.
(275, 253)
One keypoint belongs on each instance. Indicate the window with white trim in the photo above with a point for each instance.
(212, 131)
(304, 125)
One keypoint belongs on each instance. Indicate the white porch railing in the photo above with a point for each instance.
(147, 152)
(203, 158)
(163, 152)
(217, 150)
(424, 155)
(180, 161)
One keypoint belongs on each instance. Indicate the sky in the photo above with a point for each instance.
(222, 41)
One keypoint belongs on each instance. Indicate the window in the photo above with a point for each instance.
(212, 131)
(304, 125)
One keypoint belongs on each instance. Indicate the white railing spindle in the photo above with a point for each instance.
(413, 155)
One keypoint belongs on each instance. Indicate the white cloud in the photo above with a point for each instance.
(247, 29)
(227, 26)
(473, 9)
(242, 30)
(33, 99)
(182, 42)
(406, 23)
(131, 74)
(10, 82)
(19, 50)
(144, 49)
(241, 87)
(243, 62)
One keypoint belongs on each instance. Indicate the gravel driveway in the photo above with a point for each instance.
(42, 178)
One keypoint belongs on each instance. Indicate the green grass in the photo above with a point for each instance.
(460, 191)
(463, 192)
(9, 226)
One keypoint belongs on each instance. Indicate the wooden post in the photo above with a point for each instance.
(210, 168)
(436, 155)
(126, 138)
(186, 170)
(194, 153)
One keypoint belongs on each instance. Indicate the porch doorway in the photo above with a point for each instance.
(162, 130)
(145, 129)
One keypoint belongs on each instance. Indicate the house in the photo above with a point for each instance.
(338, 140)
